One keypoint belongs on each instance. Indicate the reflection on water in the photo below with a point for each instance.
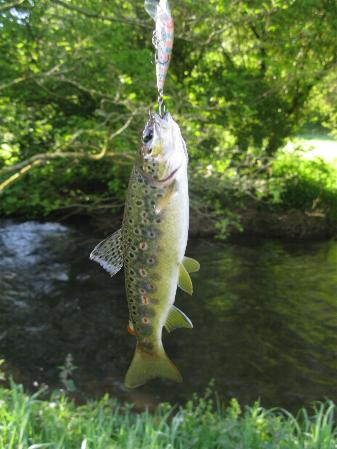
(264, 317)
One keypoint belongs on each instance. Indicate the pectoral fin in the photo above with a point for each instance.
(191, 265)
(176, 318)
(109, 253)
(184, 281)
(164, 200)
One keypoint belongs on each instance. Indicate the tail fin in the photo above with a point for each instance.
(146, 366)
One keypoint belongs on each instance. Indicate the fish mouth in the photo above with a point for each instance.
(157, 119)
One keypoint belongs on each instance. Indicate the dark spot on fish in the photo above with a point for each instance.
(150, 287)
(145, 330)
(151, 234)
(151, 260)
(147, 346)
(145, 311)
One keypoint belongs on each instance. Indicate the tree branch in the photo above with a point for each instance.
(33, 76)
(38, 159)
(93, 15)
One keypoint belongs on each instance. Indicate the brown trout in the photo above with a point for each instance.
(151, 245)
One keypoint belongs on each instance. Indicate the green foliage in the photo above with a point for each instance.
(27, 422)
(244, 76)
(308, 185)
(66, 374)
(85, 184)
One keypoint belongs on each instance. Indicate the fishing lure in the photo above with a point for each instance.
(163, 36)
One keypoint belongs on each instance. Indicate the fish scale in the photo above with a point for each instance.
(139, 250)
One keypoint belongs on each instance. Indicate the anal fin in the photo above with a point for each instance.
(176, 318)
(109, 253)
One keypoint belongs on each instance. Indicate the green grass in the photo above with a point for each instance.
(28, 422)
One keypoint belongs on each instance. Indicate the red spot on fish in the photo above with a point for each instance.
(142, 291)
(145, 300)
(143, 246)
(146, 320)
(131, 330)
(142, 272)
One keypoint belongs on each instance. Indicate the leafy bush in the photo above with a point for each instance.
(308, 185)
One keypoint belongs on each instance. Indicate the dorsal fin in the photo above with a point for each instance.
(109, 253)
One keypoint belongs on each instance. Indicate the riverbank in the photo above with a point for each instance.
(293, 197)
(28, 422)
(245, 222)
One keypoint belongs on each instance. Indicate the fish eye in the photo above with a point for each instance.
(148, 136)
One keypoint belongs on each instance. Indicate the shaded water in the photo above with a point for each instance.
(264, 314)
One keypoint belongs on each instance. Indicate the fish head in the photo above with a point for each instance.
(163, 152)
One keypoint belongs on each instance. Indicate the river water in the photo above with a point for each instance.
(264, 315)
